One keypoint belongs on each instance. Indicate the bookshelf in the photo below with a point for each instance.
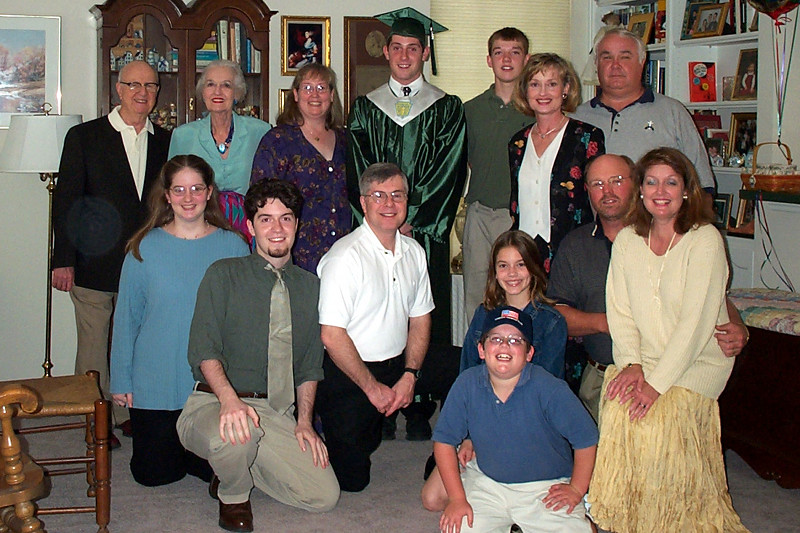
(178, 40)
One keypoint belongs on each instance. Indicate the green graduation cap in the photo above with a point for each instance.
(409, 22)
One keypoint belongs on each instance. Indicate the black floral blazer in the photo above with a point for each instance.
(569, 200)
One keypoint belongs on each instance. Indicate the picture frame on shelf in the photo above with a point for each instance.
(642, 25)
(32, 73)
(283, 96)
(722, 210)
(745, 215)
(710, 20)
(690, 17)
(745, 85)
(742, 133)
(365, 67)
(716, 149)
(304, 40)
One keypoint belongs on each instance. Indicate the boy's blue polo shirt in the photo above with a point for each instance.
(530, 437)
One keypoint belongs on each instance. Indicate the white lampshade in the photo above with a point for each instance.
(34, 142)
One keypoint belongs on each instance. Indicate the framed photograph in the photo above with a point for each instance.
(745, 216)
(30, 71)
(722, 210)
(716, 151)
(744, 87)
(304, 40)
(365, 67)
(742, 133)
(710, 20)
(690, 17)
(642, 25)
(283, 96)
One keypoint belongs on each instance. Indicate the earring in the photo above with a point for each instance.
(564, 96)
(641, 196)
(235, 101)
(685, 196)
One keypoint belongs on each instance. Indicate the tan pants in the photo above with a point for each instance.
(272, 460)
(481, 229)
(93, 312)
(589, 393)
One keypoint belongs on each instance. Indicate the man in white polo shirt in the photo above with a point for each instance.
(374, 310)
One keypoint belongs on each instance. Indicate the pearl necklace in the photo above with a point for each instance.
(657, 286)
(548, 132)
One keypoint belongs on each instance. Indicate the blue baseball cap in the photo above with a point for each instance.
(512, 316)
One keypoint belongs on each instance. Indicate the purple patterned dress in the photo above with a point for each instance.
(284, 153)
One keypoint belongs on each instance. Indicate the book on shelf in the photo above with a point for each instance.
(702, 81)
(655, 75)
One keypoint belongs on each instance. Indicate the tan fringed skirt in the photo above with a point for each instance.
(663, 473)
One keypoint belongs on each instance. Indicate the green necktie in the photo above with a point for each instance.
(280, 380)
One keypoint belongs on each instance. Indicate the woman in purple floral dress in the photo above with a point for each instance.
(548, 197)
(307, 148)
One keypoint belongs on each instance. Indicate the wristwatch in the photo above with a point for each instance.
(413, 371)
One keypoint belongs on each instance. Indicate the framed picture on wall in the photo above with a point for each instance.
(304, 40)
(365, 67)
(744, 86)
(30, 73)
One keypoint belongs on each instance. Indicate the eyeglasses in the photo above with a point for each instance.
(615, 182)
(511, 340)
(135, 86)
(195, 190)
(380, 197)
(320, 88)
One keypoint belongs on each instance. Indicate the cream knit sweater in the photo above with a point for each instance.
(670, 331)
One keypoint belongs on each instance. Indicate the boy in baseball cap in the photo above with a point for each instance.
(524, 425)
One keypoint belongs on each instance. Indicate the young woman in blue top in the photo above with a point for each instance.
(165, 262)
(516, 277)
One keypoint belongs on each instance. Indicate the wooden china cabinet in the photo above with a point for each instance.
(177, 40)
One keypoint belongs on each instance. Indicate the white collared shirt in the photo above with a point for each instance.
(397, 88)
(135, 146)
(534, 186)
(371, 292)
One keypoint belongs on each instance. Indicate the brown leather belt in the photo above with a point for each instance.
(202, 387)
(598, 366)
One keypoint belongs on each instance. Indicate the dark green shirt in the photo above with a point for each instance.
(490, 125)
(231, 322)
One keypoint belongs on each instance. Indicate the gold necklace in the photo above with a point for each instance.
(657, 287)
(548, 132)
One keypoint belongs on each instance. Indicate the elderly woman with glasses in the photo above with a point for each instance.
(165, 261)
(307, 148)
(226, 141)
(548, 197)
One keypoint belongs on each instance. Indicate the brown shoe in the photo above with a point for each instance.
(213, 487)
(126, 427)
(236, 516)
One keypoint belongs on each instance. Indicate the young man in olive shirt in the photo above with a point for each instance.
(491, 122)
(231, 418)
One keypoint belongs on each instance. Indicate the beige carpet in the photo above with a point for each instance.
(390, 503)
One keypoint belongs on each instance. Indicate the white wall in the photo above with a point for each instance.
(23, 244)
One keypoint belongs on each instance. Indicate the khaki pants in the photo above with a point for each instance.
(589, 393)
(93, 312)
(482, 227)
(496, 506)
(272, 460)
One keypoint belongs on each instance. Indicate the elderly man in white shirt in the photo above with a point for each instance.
(374, 310)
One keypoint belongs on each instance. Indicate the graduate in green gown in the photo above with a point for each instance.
(421, 129)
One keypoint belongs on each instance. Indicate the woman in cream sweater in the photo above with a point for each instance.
(659, 460)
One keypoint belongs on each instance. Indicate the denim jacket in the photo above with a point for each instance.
(549, 338)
